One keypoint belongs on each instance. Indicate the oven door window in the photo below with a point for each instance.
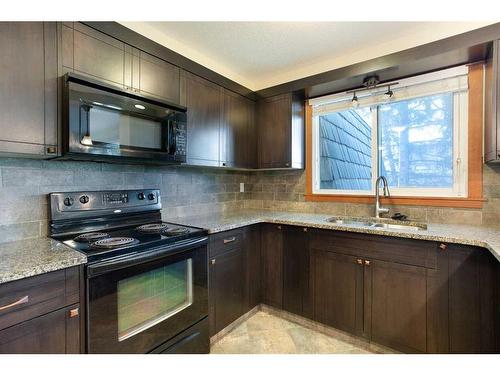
(149, 298)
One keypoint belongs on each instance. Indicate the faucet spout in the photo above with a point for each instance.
(378, 208)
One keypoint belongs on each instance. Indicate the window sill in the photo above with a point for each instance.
(403, 201)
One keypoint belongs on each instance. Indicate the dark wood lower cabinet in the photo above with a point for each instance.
(410, 295)
(296, 271)
(473, 303)
(337, 287)
(396, 305)
(272, 265)
(253, 266)
(57, 332)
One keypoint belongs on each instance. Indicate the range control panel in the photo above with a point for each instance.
(122, 200)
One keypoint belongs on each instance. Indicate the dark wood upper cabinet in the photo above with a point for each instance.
(237, 135)
(158, 78)
(28, 89)
(492, 106)
(280, 129)
(272, 265)
(296, 271)
(90, 52)
(204, 101)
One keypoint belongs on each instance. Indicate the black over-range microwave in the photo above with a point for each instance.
(101, 122)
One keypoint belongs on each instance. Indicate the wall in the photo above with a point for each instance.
(284, 190)
(25, 183)
(186, 191)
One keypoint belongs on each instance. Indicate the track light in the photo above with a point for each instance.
(389, 94)
(354, 100)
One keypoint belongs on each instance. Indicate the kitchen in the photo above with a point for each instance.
(152, 204)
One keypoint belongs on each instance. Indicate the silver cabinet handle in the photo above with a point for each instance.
(21, 301)
(229, 240)
(212, 261)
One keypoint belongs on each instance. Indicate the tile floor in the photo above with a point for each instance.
(267, 333)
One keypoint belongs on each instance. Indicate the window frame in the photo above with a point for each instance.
(472, 196)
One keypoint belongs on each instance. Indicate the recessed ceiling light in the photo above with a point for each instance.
(139, 106)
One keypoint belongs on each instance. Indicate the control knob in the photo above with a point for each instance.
(84, 199)
(68, 201)
(151, 196)
(140, 196)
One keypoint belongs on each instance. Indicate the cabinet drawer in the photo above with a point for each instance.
(34, 296)
(225, 241)
(398, 250)
(57, 332)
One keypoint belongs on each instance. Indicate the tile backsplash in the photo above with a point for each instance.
(25, 183)
(284, 190)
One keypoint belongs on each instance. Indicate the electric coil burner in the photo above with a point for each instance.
(146, 280)
(152, 228)
(113, 242)
(91, 237)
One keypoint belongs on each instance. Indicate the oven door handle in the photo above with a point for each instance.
(135, 258)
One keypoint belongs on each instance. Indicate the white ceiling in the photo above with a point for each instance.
(263, 54)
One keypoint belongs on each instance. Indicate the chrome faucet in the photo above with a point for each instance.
(378, 208)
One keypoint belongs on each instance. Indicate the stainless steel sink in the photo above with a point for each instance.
(378, 223)
(399, 226)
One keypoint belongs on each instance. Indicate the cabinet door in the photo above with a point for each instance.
(204, 102)
(158, 78)
(90, 52)
(272, 265)
(236, 131)
(396, 305)
(337, 288)
(228, 287)
(253, 260)
(28, 87)
(274, 132)
(471, 300)
(296, 271)
(55, 333)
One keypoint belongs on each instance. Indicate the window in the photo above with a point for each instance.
(417, 139)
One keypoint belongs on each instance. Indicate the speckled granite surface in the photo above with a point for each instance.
(488, 238)
(32, 257)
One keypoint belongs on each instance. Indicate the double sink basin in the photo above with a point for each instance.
(375, 223)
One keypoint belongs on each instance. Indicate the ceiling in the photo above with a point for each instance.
(263, 54)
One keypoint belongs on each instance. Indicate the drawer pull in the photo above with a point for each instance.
(74, 312)
(21, 301)
(229, 240)
(443, 246)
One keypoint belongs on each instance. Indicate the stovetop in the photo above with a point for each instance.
(102, 244)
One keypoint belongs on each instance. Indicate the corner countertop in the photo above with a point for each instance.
(485, 237)
(25, 258)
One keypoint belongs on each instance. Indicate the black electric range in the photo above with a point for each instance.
(146, 280)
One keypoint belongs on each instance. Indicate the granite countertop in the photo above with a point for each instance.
(25, 258)
(488, 238)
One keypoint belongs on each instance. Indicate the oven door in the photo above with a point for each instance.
(137, 302)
